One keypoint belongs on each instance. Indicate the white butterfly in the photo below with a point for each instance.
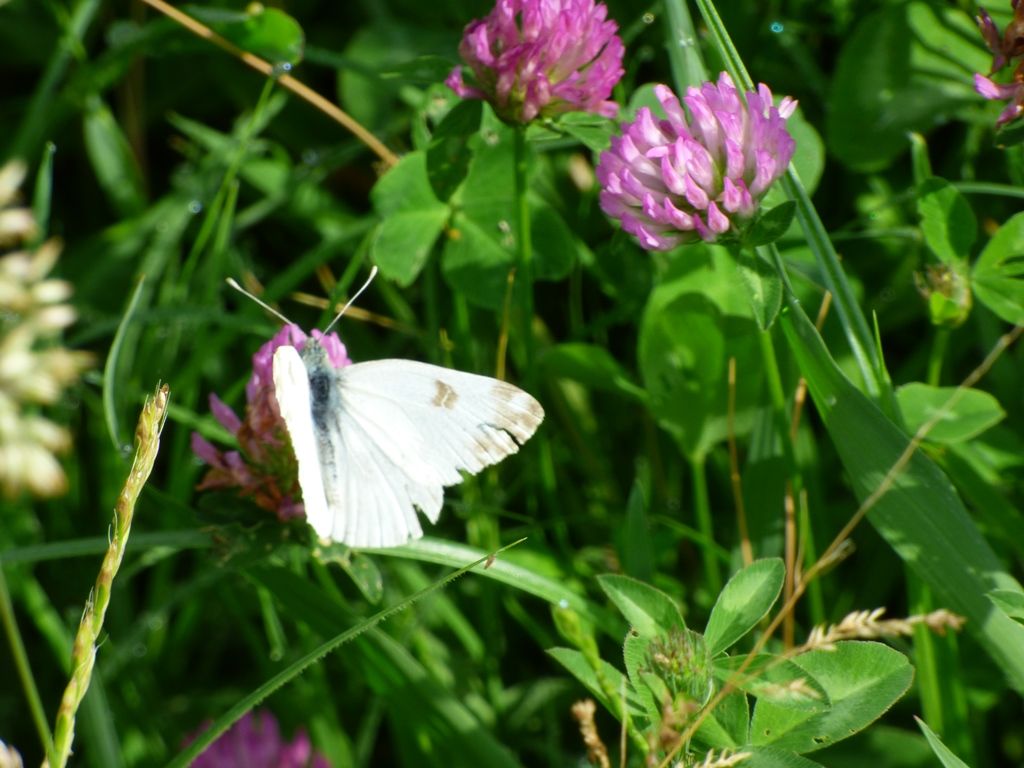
(376, 441)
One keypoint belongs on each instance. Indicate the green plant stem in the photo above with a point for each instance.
(83, 653)
(35, 704)
(524, 246)
(684, 54)
(702, 508)
(937, 356)
(815, 597)
(943, 697)
(775, 390)
(855, 325)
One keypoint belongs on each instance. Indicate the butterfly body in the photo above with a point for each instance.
(322, 399)
(377, 441)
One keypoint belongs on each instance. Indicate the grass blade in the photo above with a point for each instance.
(235, 713)
(110, 367)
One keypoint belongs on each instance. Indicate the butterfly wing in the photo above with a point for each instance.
(399, 432)
(291, 389)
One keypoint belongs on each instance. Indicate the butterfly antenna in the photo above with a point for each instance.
(234, 284)
(373, 274)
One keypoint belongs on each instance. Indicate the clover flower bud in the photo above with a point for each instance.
(540, 58)
(701, 172)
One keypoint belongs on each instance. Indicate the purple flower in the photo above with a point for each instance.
(255, 742)
(1013, 93)
(542, 57)
(700, 173)
(1005, 49)
(264, 468)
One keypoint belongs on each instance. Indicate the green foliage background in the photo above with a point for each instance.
(155, 154)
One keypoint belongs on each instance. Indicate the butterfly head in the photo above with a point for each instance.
(324, 350)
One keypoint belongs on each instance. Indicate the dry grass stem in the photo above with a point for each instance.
(800, 395)
(798, 689)
(597, 753)
(869, 625)
(789, 584)
(723, 759)
(356, 313)
(734, 470)
(288, 82)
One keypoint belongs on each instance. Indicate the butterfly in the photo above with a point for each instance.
(379, 440)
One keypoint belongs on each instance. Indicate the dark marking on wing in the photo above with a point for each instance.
(320, 400)
(522, 413)
(445, 397)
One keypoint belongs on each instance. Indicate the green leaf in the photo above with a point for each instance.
(921, 515)
(578, 666)
(770, 225)
(480, 250)
(270, 33)
(862, 681)
(448, 154)
(996, 277)
(945, 755)
(764, 287)
(650, 692)
(403, 242)
(1009, 602)
(372, 67)
(112, 159)
(590, 365)
(692, 324)
(947, 221)
(513, 569)
(973, 412)
(648, 610)
(979, 479)
(474, 264)
(905, 68)
(728, 724)
(809, 158)
(743, 602)
(482, 246)
(405, 187)
(42, 196)
(413, 218)
(422, 70)
(593, 131)
(1010, 135)
(554, 246)
(360, 568)
(637, 546)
